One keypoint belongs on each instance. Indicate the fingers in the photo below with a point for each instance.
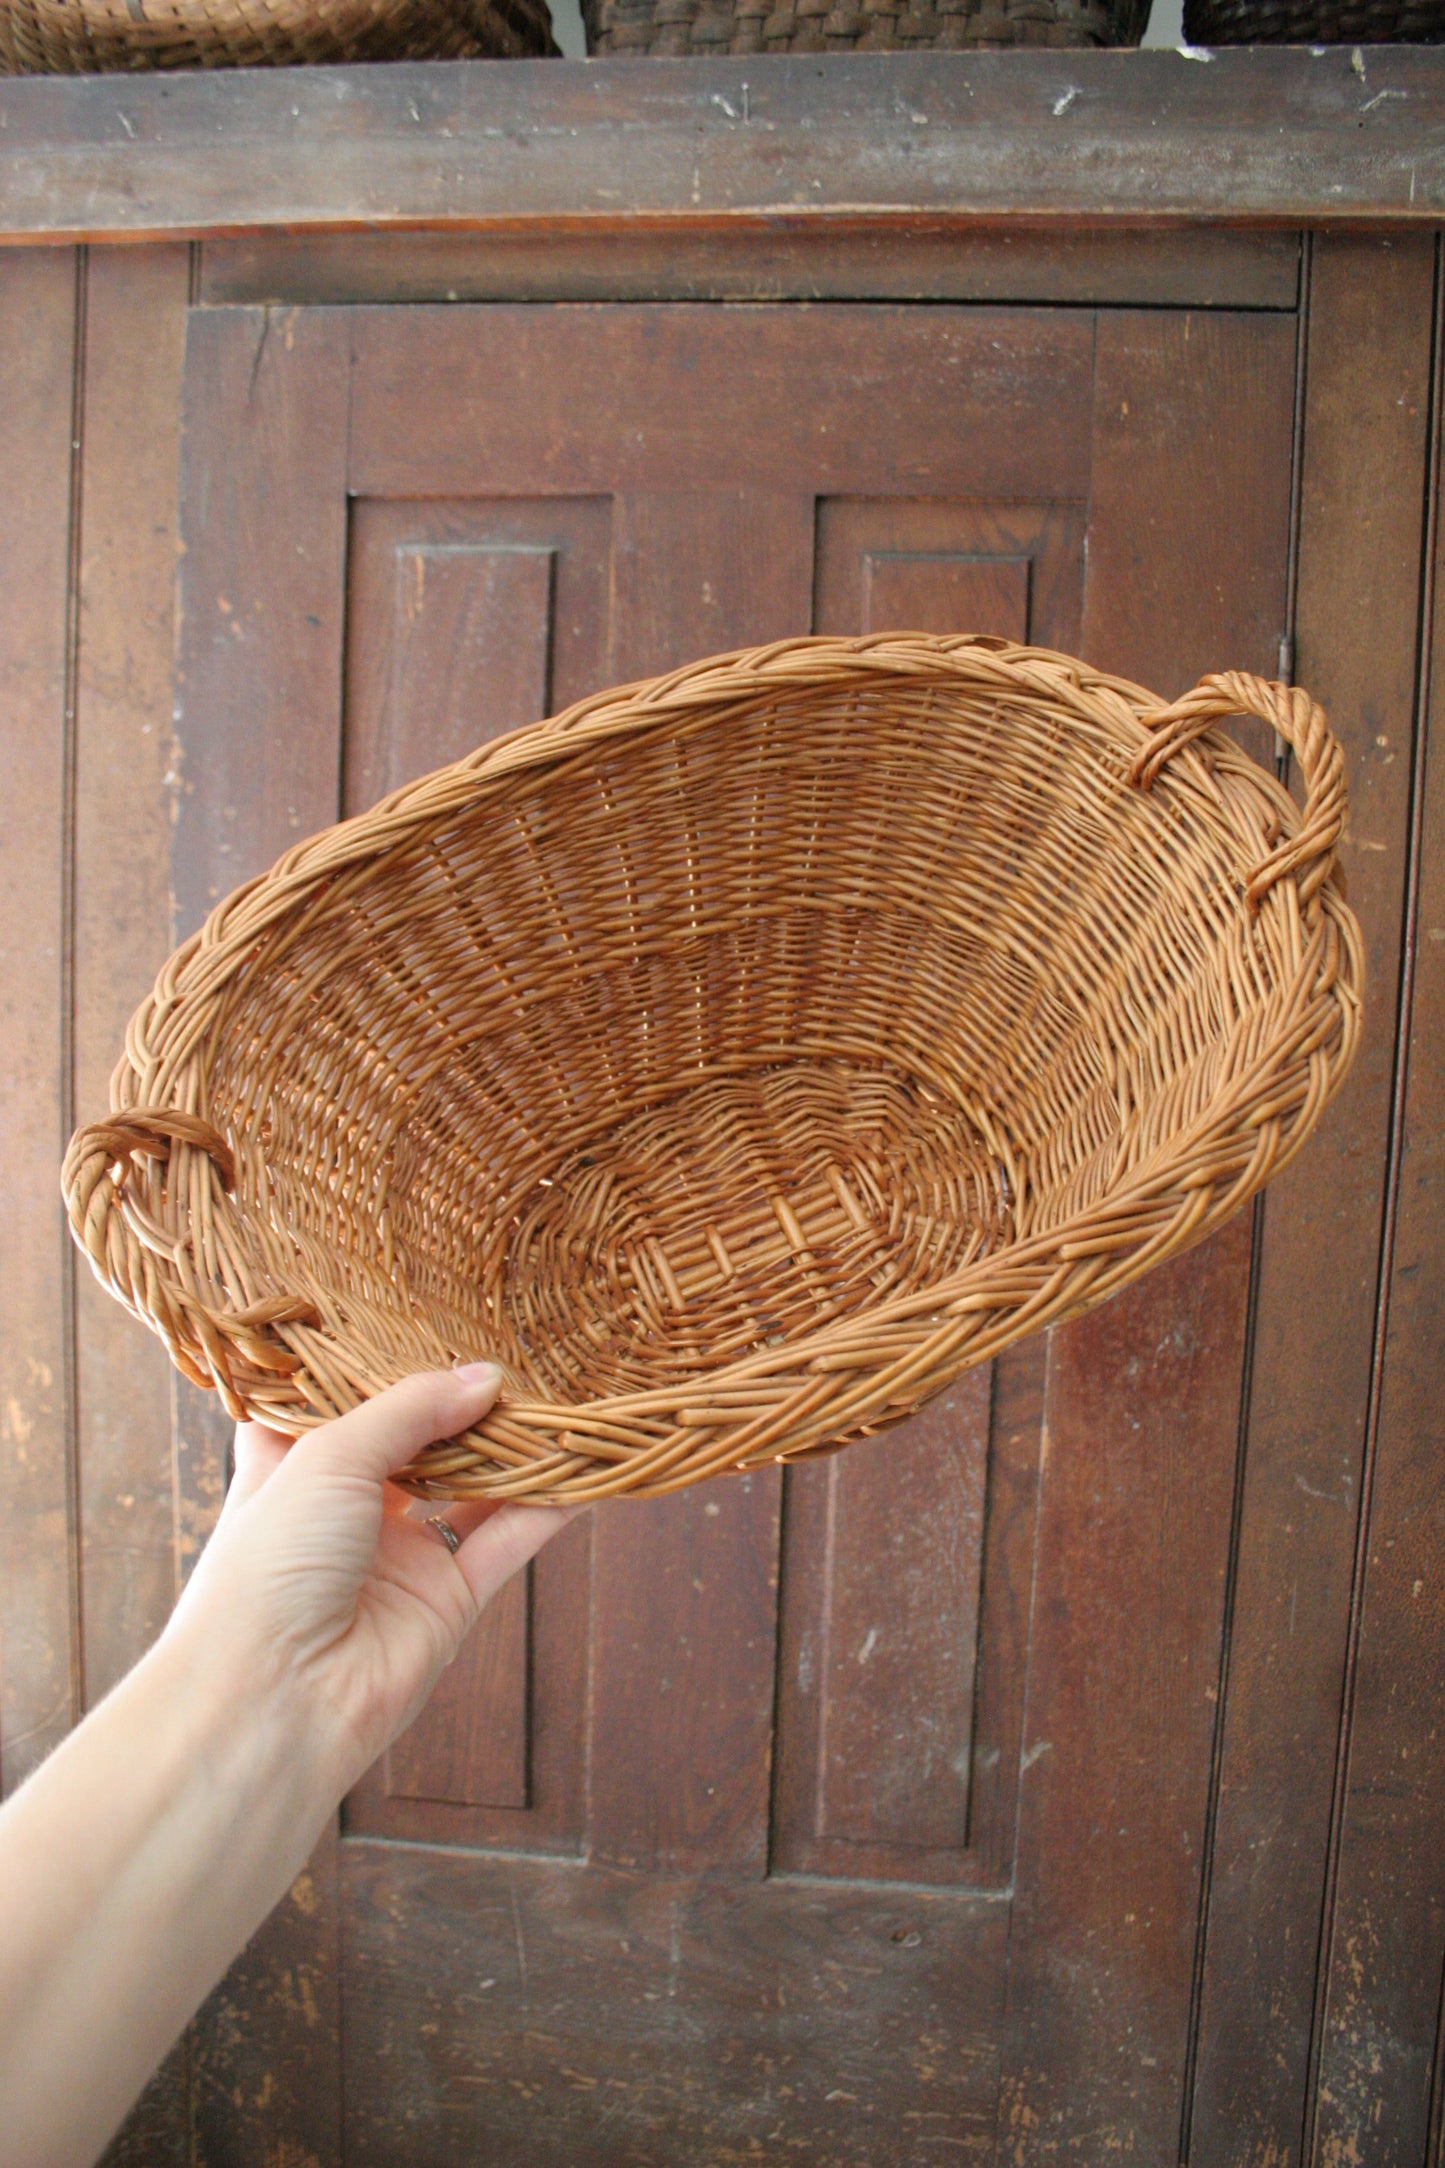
(380, 1437)
(504, 1541)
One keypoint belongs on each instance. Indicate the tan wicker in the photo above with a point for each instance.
(737, 1057)
(89, 37)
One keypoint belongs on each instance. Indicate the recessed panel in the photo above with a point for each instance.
(464, 621)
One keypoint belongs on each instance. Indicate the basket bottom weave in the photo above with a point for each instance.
(741, 1214)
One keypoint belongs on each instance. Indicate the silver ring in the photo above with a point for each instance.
(445, 1530)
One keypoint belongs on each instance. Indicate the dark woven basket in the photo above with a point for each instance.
(668, 27)
(1314, 22)
(93, 37)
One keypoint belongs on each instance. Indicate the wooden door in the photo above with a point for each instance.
(856, 1817)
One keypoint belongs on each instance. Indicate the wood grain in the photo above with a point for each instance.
(555, 2016)
(1264, 135)
(258, 753)
(788, 258)
(134, 346)
(515, 401)
(876, 1695)
(40, 1653)
(1362, 500)
(1186, 558)
(1381, 2030)
(135, 343)
(466, 618)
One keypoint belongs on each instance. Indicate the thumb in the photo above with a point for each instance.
(381, 1436)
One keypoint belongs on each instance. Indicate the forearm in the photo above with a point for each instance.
(133, 1866)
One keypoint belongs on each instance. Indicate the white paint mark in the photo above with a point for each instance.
(1380, 97)
(869, 1645)
(1357, 62)
(1061, 105)
(1194, 52)
(1036, 1753)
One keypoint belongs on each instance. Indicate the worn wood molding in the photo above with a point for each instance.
(1252, 136)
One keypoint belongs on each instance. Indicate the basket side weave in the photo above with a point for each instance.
(1164, 1050)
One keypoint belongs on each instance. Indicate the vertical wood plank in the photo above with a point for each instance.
(469, 1746)
(1188, 530)
(39, 1655)
(135, 344)
(876, 1696)
(464, 620)
(258, 729)
(1361, 515)
(685, 1588)
(134, 348)
(1387, 1935)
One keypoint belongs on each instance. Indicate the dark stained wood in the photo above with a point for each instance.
(755, 400)
(263, 2053)
(1015, 1455)
(465, 619)
(258, 746)
(469, 1747)
(134, 348)
(1141, 1419)
(261, 594)
(879, 1648)
(1265, 135)
(1186, 567)
(683, 1637)
(529, 1694)
(1362, 503)
(786, 259)
(134, 344)
(935, 565)
(1380, 2046)
(40, 1682)
(554, 2015)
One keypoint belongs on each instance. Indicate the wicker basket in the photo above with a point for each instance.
(669, 27)
(1314, 22)
(91, 37)
(736, 1058)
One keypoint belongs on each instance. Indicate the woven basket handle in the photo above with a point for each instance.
(234, 1349)
(1301, 722)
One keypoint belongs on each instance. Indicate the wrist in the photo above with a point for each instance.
(247, 1726)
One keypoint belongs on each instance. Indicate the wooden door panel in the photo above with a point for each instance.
(878, 1659)
(1187, 555)
(522, 2015)
(963, 565)
(832, 399)
(755, 1717)
(465, 619)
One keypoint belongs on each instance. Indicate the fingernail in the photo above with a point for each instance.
(478, 1373)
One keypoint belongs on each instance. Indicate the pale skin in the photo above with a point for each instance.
(140, 1858)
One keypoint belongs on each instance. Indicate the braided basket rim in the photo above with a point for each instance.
(847, 1377)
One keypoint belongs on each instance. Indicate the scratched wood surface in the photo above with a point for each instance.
(1263, 136)
(680, 1878)
(1362, 518)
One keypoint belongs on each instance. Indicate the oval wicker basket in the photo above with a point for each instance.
(92, 37)
(736, 1058)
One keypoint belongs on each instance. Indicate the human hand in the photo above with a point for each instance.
(336, 1594)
